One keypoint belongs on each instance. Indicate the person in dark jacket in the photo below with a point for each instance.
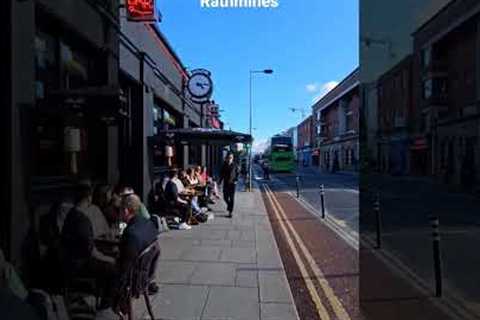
(80, 256)
(137, 236)
(229, 177)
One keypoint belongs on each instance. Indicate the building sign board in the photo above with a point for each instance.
(141, 10)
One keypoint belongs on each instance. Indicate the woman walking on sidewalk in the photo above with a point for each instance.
(229, 176)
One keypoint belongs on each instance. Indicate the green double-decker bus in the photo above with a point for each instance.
(281, 157)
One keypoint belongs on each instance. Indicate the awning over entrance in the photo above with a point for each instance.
(201, 136)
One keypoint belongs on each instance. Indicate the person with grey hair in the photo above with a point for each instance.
(126, 191)
(138, 235)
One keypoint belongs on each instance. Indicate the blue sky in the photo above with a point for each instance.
(310, 45)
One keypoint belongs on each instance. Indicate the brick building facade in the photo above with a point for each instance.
(447, 91)
(336, 126)
(395, 111)
(304, 140)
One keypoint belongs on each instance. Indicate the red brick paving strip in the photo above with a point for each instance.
(337, 260)
(305, 306)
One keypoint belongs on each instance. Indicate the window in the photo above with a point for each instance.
(427, 88)
(169, 120)
(46, 64)
(156, 118)
(74, 66)
(426, 56)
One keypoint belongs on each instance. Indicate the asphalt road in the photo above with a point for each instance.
(341, 193)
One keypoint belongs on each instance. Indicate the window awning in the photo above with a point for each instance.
(200, 136)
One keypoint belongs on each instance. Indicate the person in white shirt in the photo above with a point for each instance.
(101, 228)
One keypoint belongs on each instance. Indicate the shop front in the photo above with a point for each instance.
(71, 129)
(215, 140)
(64, 106)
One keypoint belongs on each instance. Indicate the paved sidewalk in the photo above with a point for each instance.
(224, 269)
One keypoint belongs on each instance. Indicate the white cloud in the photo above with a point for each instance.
(312, 87)
(260, 145)
(324, 89)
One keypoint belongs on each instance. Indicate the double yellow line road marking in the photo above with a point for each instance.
(288, 232)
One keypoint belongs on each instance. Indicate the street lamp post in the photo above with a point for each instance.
(252, 72)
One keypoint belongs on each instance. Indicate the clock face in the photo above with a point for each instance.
(200, 85)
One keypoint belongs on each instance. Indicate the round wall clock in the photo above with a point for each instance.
(200, 85)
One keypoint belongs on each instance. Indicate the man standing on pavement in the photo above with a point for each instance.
(229, 176)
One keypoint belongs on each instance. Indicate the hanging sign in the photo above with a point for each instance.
(72, 139)
(141, 10)
(168, 151)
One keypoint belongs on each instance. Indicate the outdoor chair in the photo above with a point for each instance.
(136, 281)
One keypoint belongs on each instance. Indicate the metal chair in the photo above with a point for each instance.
(135, 282)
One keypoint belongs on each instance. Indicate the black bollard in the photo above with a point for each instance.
(322, 198)
(437, 259)
(298, 186)
(376, 208)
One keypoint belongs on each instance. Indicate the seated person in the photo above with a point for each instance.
(202, 187)
(194, 199)
(174, 199)
(102, 196)
(201, 176)
(183, 176)
(126, 191)
(204, 173)
(139, 234)
(10, 280)
(101, 228)
(112, 211)
(192, 178)
(50, 230)
(165, 180)
(156, 201)
(80, 257)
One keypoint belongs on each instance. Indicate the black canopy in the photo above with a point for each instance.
(201, 136)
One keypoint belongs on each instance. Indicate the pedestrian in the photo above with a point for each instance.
(229, 177)
(266, 172)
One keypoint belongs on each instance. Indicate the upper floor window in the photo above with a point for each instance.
(426, 56)
(427, 88)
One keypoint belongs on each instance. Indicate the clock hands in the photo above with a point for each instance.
(202, 85)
